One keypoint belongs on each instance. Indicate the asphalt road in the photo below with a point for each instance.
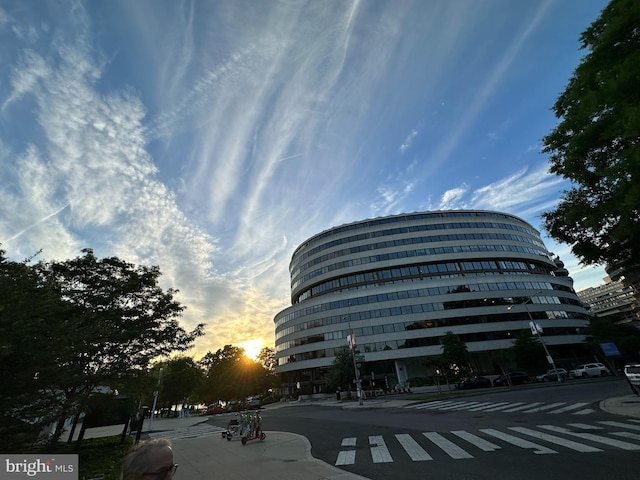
(550, 432)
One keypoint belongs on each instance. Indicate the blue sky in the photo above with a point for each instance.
(212, 137)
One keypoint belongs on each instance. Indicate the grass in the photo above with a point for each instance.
(99, 456)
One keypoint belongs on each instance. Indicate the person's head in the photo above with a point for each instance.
(149, 460)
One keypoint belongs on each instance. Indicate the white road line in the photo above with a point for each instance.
(594, 438)
(575, 406)
(422, 405)
(349, 442)
(563, 442)
(522, 407)
(413, 449)
(481, 443)
(545, 407)
(584, 426)
(447, 446)
(631, 435)
(518, 442)
(621, 425)
(469, 405)
(347, 457)
(436, 405)
(379, 451)
(483, 404)
(586, 411)
(459, 406)
(491, 405)
(501, 407)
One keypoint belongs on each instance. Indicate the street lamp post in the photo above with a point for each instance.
(155, 398)
(534, 329)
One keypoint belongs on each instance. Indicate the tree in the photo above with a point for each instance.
(27, 306)
(455, 356)
(626, 337)
(181, 378)
(117, 320)
(528, 352)
(341, 373)
(596, 145)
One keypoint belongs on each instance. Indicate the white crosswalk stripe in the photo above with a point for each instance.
(199, 430)
(627, 437)
(505, 407)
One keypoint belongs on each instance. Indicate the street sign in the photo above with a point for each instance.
(359, 358)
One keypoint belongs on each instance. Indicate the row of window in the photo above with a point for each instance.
(417, 309)
(422, 252)
(413, 228)
(404, 242)
(423, 342)
(420, 271)
(414, 293)
(399, 327)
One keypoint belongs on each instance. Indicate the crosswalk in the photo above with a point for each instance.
(579, 408)
(199, 430)
(544, 439)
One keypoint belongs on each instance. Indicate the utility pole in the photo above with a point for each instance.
(155, 398)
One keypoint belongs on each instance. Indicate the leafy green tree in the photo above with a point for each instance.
(596, 145)
(267, 358)
(455, 356)
(117, 320)
(341, 373)
(181, 380)
(529, 353)
(28, 306)
(626, 337)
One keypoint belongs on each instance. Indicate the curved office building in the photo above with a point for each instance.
(400, 283)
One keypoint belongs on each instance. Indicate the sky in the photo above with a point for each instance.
(211, 138)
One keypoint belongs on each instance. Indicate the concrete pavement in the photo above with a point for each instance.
(280, 455)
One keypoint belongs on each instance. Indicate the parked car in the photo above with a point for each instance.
(474, 381)
(214, 409)
(590, 370)
(632, 372)
(552, 375)
(515, 378)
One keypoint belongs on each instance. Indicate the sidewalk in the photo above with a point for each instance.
(280, 455)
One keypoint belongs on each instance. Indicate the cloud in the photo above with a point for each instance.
(408, 141)
(452, 199)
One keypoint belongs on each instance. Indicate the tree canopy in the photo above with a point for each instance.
(596, 144)
(68, 327)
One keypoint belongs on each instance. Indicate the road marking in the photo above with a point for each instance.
(491, 405)
(501, 407)
(563, 442)
(594, 438)
(575, 406)
(621, 425)
(349, 442)
(522, 407)
(434, 405)
(346, 457)
(198, 430)
(584, 426)
(413, 449)
(545, 407)
(460, 406)
(379, 451)
(518, 442)
(586, 411)
(631, 435)
(481, 443)
(447, 446)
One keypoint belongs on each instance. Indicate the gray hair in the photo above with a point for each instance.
(136, 463)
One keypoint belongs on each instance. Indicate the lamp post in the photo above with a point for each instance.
(536, 330)
(155, 398)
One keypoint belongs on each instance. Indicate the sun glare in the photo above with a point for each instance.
(252, 348)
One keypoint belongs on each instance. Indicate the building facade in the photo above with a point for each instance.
(612, 301)
(400, 283)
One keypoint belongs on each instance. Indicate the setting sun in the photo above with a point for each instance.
(252, 348)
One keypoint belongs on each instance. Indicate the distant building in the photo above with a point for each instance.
(400, 283)
(612, 301)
